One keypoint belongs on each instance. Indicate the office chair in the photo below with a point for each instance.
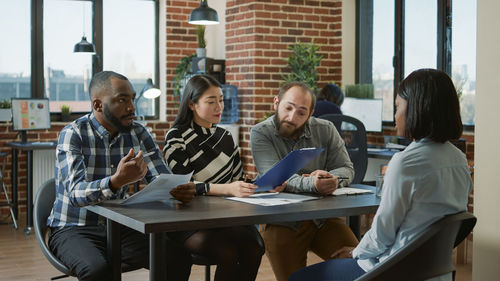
(43, 205)
(428, 255)
(4, 188)
(353, 133)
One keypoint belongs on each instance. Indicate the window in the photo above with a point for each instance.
(15, 70)
(124, 31)
(463, 56)
(406, 35)
(420, 35)
(66, 74)
(129, 45)
(383, 51)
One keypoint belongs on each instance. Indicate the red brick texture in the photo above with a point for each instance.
(257, 36)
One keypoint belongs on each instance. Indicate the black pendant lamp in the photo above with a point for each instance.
(84, 46)
(203, 15)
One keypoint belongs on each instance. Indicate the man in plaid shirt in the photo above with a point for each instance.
(98, 156)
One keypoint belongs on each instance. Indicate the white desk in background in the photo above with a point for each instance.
(376, 158)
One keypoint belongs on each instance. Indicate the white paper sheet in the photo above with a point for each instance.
(350, 191)
(273, 199)
(159, 189)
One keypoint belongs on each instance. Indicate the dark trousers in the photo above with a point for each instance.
(83, 250)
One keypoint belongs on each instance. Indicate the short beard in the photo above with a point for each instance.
(283, 133)
(115, 121)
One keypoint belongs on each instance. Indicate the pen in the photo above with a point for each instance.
(339, 178)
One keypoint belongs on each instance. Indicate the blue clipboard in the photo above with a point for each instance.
(284, 169)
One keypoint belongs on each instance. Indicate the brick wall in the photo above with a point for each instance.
(257, 36)
(181, 41)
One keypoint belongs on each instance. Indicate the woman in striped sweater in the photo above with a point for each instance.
(195, 144)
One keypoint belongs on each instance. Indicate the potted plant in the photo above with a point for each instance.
(182, 69)
(5, 111)
(65, 113)
(303, 62)
(360, 91)
(201, 52)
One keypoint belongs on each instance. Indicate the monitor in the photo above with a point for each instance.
(30, 114)
(368, 111)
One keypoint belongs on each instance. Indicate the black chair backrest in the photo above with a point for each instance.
(353, 133)
(428, 255)
(43, 206)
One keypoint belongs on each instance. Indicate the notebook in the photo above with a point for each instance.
(284, 169)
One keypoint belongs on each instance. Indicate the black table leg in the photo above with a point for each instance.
(29, 192)
(354, 223)
(14, 182)
(157, 256)
(113, 249)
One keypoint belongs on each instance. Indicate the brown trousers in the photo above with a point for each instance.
(287, 248)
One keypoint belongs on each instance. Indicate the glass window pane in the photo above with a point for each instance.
(129, 45)
(67, 74)
(463, 54)
(383, 51)
(15, 51)
(420, 34)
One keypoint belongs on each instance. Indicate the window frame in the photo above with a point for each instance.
(444, 50)
(37, 62)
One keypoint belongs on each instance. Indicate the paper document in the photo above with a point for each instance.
(286, 167)
(350, 191)
(159, 189)
(274, 199)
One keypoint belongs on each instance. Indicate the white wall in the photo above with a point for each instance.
(216, 34)
(487, 150)
(348, 42)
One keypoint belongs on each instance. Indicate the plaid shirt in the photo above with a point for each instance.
(86, 159)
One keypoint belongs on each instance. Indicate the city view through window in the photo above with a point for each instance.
(420, 49)
(128, 47)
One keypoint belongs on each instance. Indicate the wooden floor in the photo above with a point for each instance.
(22, 259)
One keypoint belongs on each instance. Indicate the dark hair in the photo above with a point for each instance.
(433, 109)
(302, 86)
(333, 93)
(100, 81)
(194, 89)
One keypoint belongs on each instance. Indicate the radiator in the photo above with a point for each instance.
(44, 162)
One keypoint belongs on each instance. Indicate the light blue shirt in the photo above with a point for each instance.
(423, 183)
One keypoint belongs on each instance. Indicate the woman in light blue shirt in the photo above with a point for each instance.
(423, 183)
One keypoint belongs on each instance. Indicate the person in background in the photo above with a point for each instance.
(195, 144)
(329, 100)
(428, 180)
(98, 156)
(292, 128)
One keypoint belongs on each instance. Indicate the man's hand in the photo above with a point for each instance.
(184, 192)
(241, 188)
(129, 170)
(279, 188)
(324, 182)
(343, 253)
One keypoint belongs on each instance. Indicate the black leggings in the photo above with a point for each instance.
(237, 250)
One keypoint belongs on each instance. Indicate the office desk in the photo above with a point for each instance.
(210, 212)
(28, 147)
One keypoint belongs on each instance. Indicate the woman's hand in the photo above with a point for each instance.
(241, 188)
(343, 253)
